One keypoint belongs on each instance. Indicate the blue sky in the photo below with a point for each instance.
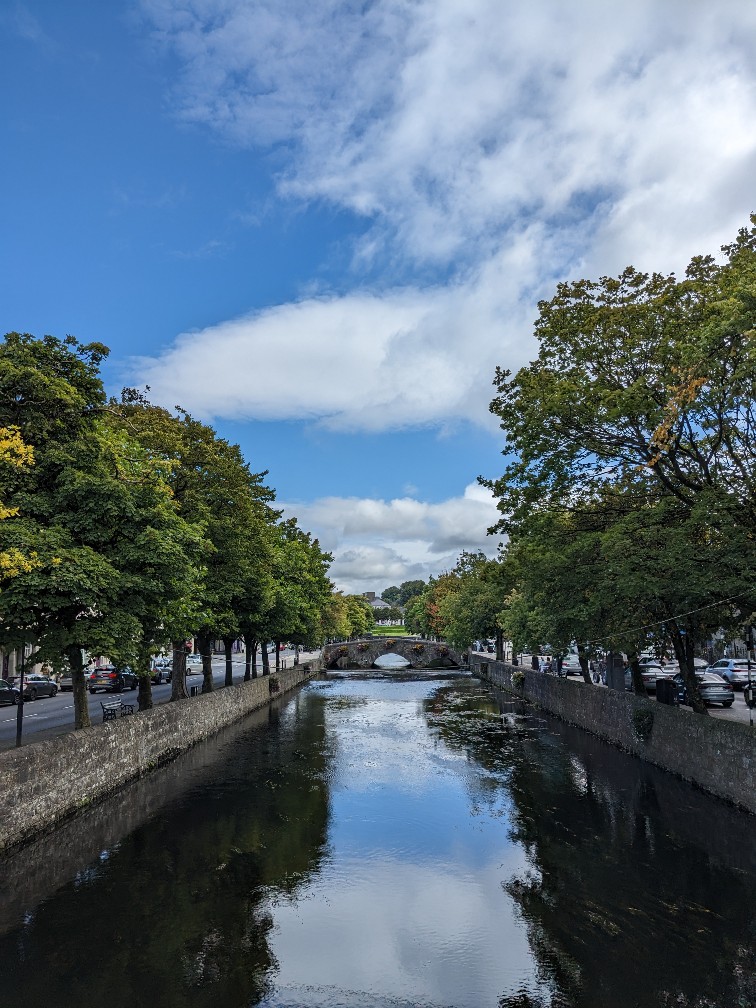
(321, 226)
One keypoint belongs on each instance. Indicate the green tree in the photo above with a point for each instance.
(303, 592)
(476, 610)
(639, 373)
(216, 492)
(71, 508)
(409, 590)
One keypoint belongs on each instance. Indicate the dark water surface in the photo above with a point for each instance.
(385, 843)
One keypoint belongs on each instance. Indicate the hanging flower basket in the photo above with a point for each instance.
(343, 651)
(442, 650)
(418, 648)
(363, 646)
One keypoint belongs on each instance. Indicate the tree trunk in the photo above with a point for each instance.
(205, 641)
(265, 659)
(178, 674)
(80, 698)
(584, 666)
(144, 696)
(639, 687)
(247, 657)
(278, 656)
(683, 645)
(499, 645)
(250, 657)
(228, 650)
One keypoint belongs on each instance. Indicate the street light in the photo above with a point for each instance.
(20, 711)
(749, 690)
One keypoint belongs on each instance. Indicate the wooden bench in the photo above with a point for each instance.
(115, 709)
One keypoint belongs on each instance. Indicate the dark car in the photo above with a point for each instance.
(109, 679)
(36, 685)
(713, 689)
(8, 693)
(161, 673)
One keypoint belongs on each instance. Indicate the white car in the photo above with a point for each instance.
(735, 671)
(650, 674)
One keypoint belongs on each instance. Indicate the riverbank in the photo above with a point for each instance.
(719, 756)
(47, 782)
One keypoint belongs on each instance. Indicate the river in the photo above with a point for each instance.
(387, 842)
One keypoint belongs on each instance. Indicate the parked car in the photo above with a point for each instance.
(161, 673)
(571, 665)
(8, 693)
(712, 687)
(649, 673)
(66, 682)
(194, 659)
(109, 679)
(36, 685)
(735, 671)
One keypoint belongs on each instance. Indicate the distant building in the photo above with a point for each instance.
(376, 601)
(378, 604)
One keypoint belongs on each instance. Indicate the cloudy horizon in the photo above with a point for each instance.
(322, 228)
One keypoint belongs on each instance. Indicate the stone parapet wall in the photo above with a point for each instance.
(46, 782)
(418, 652)
(716, 754)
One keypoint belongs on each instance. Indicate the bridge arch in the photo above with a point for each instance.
(421, 654)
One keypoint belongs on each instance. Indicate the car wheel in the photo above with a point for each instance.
(727, 703)
(53, 691)
(33, 694)
(92, 691)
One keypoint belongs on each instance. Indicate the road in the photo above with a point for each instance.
(51, 716)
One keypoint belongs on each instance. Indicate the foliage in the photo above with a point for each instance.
(639, 373)
(643, 722)
(629, 496)
(16, 454)
(135, 526)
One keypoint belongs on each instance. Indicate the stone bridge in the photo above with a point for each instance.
(421, 654)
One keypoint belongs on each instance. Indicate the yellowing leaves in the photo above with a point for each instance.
(14, 452)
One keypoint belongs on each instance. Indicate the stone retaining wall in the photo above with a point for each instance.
(46, 782)
(718, 755)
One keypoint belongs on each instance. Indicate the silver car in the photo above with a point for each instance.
(650, 673)
(734, 670)
(713, 689)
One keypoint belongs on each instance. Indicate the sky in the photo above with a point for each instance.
(320, 225)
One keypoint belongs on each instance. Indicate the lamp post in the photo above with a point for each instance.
(750, 689)
(20, 710)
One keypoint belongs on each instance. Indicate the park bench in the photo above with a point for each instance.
(115, 709)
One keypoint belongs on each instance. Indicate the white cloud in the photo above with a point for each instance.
(365, 360)
(502, 146)
(378, 543)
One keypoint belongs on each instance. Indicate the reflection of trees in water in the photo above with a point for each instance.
(187, 926)
(620, 909)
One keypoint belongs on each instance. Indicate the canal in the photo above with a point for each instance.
(387, 842)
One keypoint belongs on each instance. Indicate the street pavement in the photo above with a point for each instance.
(50, 716)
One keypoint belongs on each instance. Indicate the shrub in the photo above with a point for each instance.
(643, 722)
